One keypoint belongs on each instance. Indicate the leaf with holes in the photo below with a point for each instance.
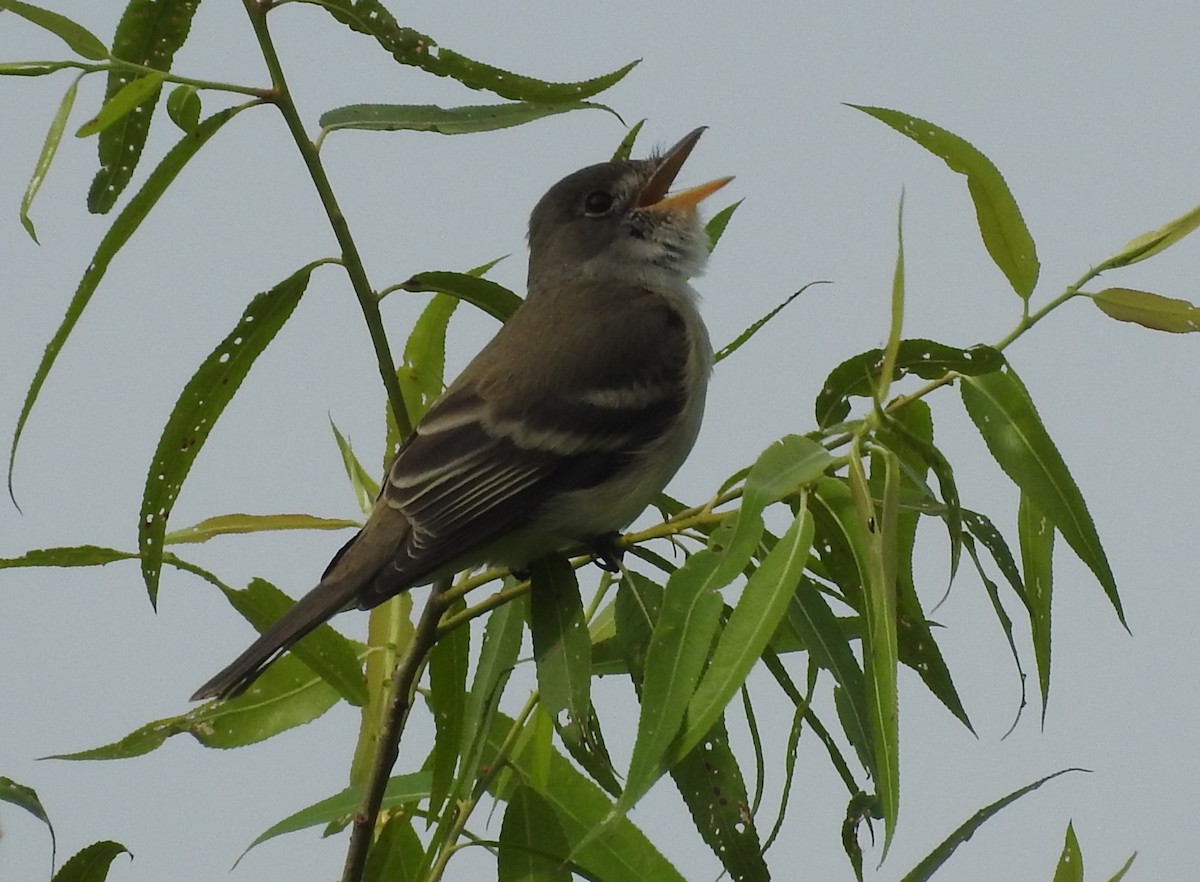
(199, 407)
(411, 47)
(150, 33)
(927, 359)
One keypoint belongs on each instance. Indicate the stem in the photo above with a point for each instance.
(368, 303)
(404, 680)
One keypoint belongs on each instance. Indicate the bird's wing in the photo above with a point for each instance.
(480, 463)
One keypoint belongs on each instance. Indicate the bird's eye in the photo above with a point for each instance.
(597, 203)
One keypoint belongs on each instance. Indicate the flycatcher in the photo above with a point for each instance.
(564, 427)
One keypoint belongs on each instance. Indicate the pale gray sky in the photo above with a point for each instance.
(1089, 110)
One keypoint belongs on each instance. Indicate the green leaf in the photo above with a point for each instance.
(118, 234)
(881, 653)
(82, 41)
(288, 694)
(92, 863)
(764, 602)
(1070, 862)
(183, 107)
(422, 375)
(625, 148)
(1151, 243)
(733, 346)
(225, 525)
(122, 104)
(934, 860)
(562, 649)
(888, 361)
(396, 853)
(715, 228)
(27, 798)
(711, 785)
(927, 359)
(447, 697)
(200, 405)
(678, 650)
(496, 300)
(401, 789)
(1120, 874)
(444, 120)
(149, 34)
(413, 48)
(1149, 310)
(1003, 229)
(532, 845)
(49, 149)
(582, 808)
(1006, 625)
(325, 651)
(1036, 536)
(1002, 410)
(69, 556)
(364, 486)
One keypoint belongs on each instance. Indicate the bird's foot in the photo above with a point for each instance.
(606, 554)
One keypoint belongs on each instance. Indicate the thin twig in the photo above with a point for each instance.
(404, 681)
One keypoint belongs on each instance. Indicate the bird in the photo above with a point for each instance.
(564, 427)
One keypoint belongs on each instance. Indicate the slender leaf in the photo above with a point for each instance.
(364, 486)
(1070, 862)
(890, 351)
(389, 634)
(928, 359)
(582, 808)
(1003, 229)
(880, 650)
(829, 647)
(401, 789)
(149, 34)
(230, 524)
(49, 149)
(412, 48)
(422, 375)
(80, 39)
(734, 345)
(562, 649)
(496, 300)
(1002, 410)
(1151, 243)
(121, 104)
(1036, 536)
(444, 120)
(934, 860)
(625, 148)
(532, 845)
(1149, 310)
(118, 234)
(288, 694)
(200, 405)
(763, 603)
(715, 228)
(447, 697)
(92, 863)
(325, 651)
(711, 785)
(396, 853)
(1120, 874)
(27, 798)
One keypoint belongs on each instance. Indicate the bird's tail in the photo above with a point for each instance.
(307, 614)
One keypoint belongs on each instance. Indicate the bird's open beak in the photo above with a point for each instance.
(654, 195)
